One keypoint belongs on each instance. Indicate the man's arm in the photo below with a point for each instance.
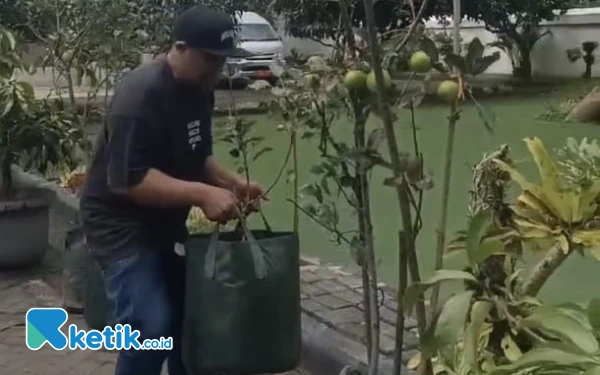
(133, 145)
(161, 190)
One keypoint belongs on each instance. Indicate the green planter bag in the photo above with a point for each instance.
(242, 313)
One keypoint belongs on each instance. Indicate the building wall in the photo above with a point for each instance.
(549, 57)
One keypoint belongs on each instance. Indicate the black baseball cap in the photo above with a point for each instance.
(208, 30)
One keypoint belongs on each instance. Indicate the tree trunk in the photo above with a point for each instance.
(372, 267)
(359, 136)
(362, 260)
(543, 270)
(524, 69)
(487, 193)
(296, 219)
(70, 87)
(367, 307)
(402, 284)
(360, 209)
(589, 62)
(441, 230)
(6, 176)
(366, 233)
(403, 188)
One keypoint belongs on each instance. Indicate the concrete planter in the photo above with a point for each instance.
(23, 229)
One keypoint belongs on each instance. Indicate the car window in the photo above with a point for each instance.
(257, 32)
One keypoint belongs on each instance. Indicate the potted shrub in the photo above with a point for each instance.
(34, 134)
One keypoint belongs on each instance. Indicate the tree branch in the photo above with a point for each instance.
(543, 270)
(413, 25)
(325, 226)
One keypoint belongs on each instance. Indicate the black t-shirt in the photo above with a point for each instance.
(154, 121)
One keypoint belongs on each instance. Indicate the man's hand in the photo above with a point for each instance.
(219, 205)
(250, 194)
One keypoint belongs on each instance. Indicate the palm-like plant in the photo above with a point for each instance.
(555, 209)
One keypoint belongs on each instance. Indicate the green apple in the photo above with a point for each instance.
(420, 62)
(372, 82)
(355, 80)
(448, 91)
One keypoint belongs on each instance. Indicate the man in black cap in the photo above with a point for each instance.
(152, 163)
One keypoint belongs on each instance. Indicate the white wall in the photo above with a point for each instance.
(549, 57)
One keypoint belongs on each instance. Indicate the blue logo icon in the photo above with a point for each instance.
(43, 326)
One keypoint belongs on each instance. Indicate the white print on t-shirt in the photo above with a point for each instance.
(194, 135)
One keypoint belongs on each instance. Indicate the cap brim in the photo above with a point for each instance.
(233, 52)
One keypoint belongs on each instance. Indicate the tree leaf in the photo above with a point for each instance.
(510, 348)
(489, 248)
(263, 151)
(479, 312)
(576, 312)
(543, 356)
(594, 314)
(486, 114)
(414, 362)
(317, 169)
(307, 135)
(12, 42)
(415, 290)
(456, 61)
(451, 321)
(475, 233)
(376, 137)
(314, 191)
(439, 67)
(474, 53)
(234, 152)
(483, 64)
(593, 371)
(428, 46)
(6, 106)
(563, 326)
(325, 186)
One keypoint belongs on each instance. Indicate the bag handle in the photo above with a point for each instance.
(264, 220)
(210, 264)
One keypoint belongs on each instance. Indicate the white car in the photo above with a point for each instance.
(257, 36)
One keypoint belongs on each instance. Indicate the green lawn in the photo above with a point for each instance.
(577, 279)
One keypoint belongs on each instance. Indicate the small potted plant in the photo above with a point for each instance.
(34, 134)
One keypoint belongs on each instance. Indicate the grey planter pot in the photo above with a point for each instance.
(24, 229)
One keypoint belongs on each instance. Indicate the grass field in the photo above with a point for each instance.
(516, 119)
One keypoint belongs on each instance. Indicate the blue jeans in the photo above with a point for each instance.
(146, 291)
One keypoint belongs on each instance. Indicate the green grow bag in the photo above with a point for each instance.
(84, 282)
(96, 309)
(242, 306)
